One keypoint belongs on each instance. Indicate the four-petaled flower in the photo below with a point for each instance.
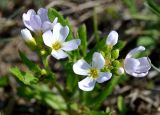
(56, 40)
(38, 22)
(93, 72)
(112, 38)
(136, 67)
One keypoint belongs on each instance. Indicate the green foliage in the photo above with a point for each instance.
(154, 7)
(121, 105)
(82, 32)
(42, 93)
(104, 93)
(52, 14)
(3, 81)
(146, 41)
(131, 6)
(99, 113)
(32, 66)
(24, 77)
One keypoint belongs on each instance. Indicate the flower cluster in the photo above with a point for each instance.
(135, 67)
(104, 64)
(53, 33)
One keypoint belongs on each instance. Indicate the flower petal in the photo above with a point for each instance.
(144, 65)
(47, 26)
(81, 67)
(134, 51)
(56, 31)
(71, 45)
(26, 18)
(87, 84)
(43, 13)
(64, 33)
(103, 76)
(35, 22)
(130, 65)
(98, 60)
(139, 74)
(60, 32)
(55, 21)
(112, 38)
(48, 38)
(60, 54)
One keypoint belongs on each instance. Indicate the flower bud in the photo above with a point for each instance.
(112, 38)
(116, 63)
(43, 72)
(115, 54)
(120, 71)
(26, 35)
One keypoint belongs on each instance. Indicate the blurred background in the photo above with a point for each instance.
(136, 21)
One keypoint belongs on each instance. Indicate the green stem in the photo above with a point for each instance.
(105, 92)
(157, 69)
(95, 25)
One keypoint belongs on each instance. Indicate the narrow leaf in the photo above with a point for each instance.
(24, 77)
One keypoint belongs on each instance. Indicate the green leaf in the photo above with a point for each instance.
(99, 46)
(53, 13)
(42, 93)
(3, 81)
(32, 66)
(98, 113)
(121, 106)
(146, 41)
(96, 101)
(26, 78)
(154, 7)
(55, 101)
(82, 33)
(131, 5)
(72, 78)
(120, 45)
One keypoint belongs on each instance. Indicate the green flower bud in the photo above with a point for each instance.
(43, 52)
(116, 63)
(115, 54)
(43, 72)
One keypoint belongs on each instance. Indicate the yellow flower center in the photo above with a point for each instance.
(56, 45)
(93, 73)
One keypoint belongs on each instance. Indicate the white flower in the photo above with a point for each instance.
(56, 40)
(136, 67)
(38, 22)
(112, 38)
(93, 72)
(26, 35)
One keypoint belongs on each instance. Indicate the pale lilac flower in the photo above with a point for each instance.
(56, 40)
(38, 22)
(26, 35)
(136, 67)
(93, 72)
(112, 38)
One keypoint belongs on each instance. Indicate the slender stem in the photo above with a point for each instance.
(95, 25)
(157, 69)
